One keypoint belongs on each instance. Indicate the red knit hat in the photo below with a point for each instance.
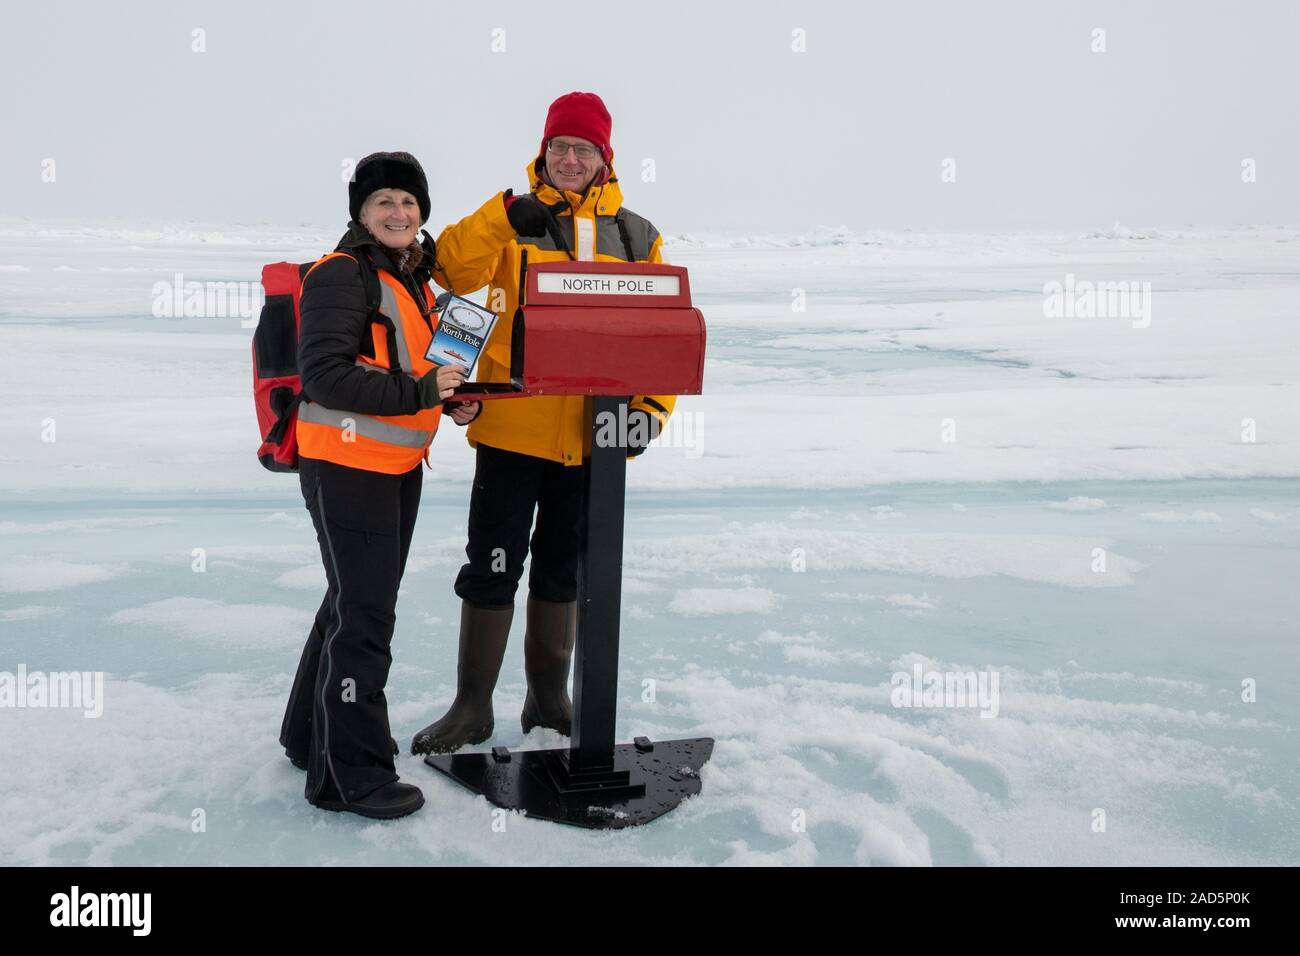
(579, 114)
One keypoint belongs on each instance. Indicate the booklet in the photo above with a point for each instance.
(463, 330)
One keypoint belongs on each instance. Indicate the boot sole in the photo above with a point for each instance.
(470, 741)
(528, 724)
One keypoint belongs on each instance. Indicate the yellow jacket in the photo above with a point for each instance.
(483, 249)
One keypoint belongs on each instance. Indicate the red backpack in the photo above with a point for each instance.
(277, 388)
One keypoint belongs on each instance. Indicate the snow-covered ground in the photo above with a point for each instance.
(900, 461)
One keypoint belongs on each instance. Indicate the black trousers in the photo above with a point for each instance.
(508, 487)
(337, 716)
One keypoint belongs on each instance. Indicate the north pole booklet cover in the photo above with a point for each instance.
(463, 330)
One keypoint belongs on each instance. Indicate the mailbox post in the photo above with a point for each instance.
(608, 331)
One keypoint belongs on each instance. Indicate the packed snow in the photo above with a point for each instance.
(901, 464)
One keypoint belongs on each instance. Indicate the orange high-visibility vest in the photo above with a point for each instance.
(392, 444)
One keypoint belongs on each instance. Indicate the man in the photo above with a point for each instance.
(529, 450)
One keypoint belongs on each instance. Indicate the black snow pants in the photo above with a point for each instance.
(337, 716)
(508, 488)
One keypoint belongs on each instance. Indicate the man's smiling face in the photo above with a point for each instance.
(566, 168)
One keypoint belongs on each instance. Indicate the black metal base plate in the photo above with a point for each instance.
(670, 773)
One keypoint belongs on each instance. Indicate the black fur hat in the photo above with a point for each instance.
(388, 171)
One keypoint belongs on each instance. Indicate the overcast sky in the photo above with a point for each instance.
(745, 133)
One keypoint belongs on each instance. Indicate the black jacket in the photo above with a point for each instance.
(335, 328)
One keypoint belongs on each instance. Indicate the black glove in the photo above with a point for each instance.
(529, 216)
(642, 428)
(427, 385)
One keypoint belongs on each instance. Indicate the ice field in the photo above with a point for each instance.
(899, 460)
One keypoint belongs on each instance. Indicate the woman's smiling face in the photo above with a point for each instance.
(392, 216)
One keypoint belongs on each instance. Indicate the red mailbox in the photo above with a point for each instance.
(607, 328)
(602, 328)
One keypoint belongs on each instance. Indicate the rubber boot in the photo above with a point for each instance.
(548, 650)
(483, 634)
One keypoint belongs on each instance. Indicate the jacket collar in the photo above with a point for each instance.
(358, 241)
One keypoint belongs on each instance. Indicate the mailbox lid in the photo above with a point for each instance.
(580, 350)
(608, 285)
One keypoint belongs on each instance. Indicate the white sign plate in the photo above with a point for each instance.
(608, 283)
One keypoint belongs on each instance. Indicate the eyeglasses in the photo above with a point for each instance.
(582, 151)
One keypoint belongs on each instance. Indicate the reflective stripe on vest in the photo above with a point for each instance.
(366, 425)
(393, 312)
(585, 230)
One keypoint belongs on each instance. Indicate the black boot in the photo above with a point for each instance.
(483, 634)
(548, 649)
(394, 799)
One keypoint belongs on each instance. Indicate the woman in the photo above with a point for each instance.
(372, 405)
